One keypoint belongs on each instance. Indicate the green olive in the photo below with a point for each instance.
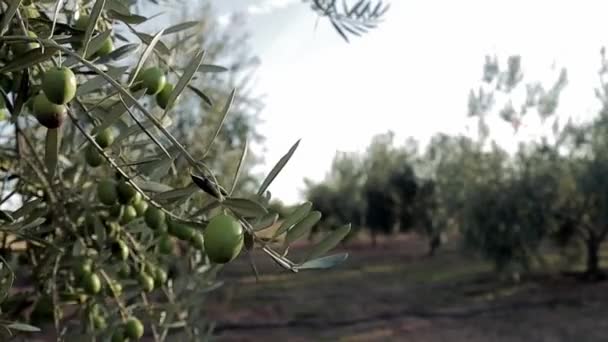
(59, 85)
(134, 328)
(153, 79)
(154, 218)
(92, 156)
(105, 138)
(106, 192)
(162, 98)
(48, 114)
(224, 239)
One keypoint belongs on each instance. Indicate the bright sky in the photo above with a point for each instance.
(411, 75)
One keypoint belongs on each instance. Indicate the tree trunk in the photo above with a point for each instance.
(374, 238)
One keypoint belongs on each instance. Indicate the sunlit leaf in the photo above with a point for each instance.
(28, 59)
(88, 33)
(330, 241)
(223, 114)
(296, 216)
(239, 166)
(277, 168)
(245, 207)
(129, 19)
(153, 186)
(265, 222)
(185, 79)
(303, 227)
(181, 27)
(324, 262)
(211, 68)
(23, 327)
(13, 6)
(145, 55)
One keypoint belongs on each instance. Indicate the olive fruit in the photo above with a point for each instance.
(82, 22)
(162, 98)
(160, 276)
(105, 138)
(129, 214)
(114, 288)
(146, 282)
(106, 192)
(84, 267)
(124, 271)
(165, 244)
(92, 156)
(106, 47)
(119, 336)
(154, 218)
(223, 238)
(180, 231)
(134, 328)
(140, 207)
(59, 85)
(49, 115)
(21, 48)
(126, 193)
(198, 241)
(91, 283)
(99, 322)
(153, 79)
(120, 250)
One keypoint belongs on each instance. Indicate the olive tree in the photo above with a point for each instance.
(101, 241)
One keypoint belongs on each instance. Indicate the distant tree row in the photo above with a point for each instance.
(553, 191)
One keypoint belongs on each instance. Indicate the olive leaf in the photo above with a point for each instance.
(245, 207)
(23, 327)
(185, 79)
(208, 186)
(29, 59)
(296, 216)
(181, 27)
(223, 114)
(239, 166)
(303, 227)
(145, 55)
(265, 222)
(13, 6)
(98, 81)
(128, 19)
(277, 168)
(88, 33)
(330, 241)
(323, 262)
(211, 68)
(5, 216)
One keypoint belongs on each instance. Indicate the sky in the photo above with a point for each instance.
(411, 75)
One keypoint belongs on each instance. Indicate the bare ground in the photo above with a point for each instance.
(394, 293)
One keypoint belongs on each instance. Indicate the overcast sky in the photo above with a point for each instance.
(411, 75)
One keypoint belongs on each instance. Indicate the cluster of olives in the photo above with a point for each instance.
(155, 82)
(58, 88)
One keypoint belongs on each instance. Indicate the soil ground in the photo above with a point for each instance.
(394, 292)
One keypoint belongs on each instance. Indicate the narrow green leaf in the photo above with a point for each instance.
(8, 15)
(135, 128)
(303, 227)
(58, 6)
(245, 207)
(177, 194)
(118, 110)
(223, 114)
(330, 241)
(145, 55)
(32, 224)
(88, 33)
(5, 216)
(181, 27)
(239, 166)
(97, 42)
(119, 53)
(52, 151)
(206, 185)
(23, 327)
(265, 222)
(28, 59)
(296, 216)
(157, 169)
(185, 79)
(159, 46)
(324, 262)
(118, 6)
(202, 95)
(133, 19)
(26, 208)
(153, 186)
(277, 168)
(98, 81)
(211, 68)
